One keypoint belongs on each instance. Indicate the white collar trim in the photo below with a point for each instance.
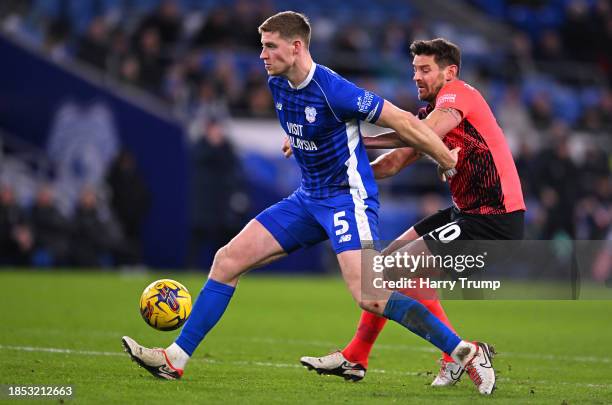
(307, 80)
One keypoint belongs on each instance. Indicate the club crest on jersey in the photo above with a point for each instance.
(311, 114)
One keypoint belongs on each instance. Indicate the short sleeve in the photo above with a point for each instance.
(457, 95)
(349, 101)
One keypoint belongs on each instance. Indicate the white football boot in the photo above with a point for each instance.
(449, 374)
(479, 367)
(335, 364)
(155, 361)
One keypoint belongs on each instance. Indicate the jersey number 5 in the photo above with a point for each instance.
(340, 223)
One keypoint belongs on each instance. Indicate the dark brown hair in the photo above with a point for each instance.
(445, 53)
(289, 25)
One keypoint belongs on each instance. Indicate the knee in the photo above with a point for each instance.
(375, 307)
(225, 267)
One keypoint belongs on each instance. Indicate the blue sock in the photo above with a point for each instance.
(413, 315)
(206, 312)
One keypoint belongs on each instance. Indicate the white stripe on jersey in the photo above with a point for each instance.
(358, 191)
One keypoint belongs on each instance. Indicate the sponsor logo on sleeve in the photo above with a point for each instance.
(364, 102)
(446, 98)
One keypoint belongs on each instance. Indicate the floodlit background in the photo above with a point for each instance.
(142, 133)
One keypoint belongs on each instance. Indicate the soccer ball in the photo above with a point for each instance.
(165, 304)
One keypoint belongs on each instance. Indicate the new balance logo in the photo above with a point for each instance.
(345, 238)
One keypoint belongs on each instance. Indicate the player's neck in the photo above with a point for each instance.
(433, 102)
(299, 72)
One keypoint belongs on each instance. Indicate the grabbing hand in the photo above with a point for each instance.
(286, 148)
(445, 174)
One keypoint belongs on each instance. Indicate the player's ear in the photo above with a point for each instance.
(297, 44)
(450, 72)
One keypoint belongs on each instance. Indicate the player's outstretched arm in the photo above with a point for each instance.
(440, 120)
(387, 140)
(414, 133)
(390, 163)
(443, 120)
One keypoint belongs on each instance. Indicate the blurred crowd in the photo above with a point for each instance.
(549, 84)
(204, 59)
(103, 229)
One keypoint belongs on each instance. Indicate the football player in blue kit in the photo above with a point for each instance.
(338, 200)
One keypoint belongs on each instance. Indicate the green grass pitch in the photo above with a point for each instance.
(61, 328)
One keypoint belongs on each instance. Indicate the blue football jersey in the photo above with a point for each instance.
(321, 118)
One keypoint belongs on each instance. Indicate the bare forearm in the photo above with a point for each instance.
(389, 140)
(416, 134)
(382, 168)
(423, 138)
(390, 163)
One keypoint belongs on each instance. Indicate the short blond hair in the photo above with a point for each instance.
(289, 25)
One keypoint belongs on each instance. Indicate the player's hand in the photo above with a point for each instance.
(446, 174)
(286, 148)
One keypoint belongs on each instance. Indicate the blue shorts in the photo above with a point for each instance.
(351, 223)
